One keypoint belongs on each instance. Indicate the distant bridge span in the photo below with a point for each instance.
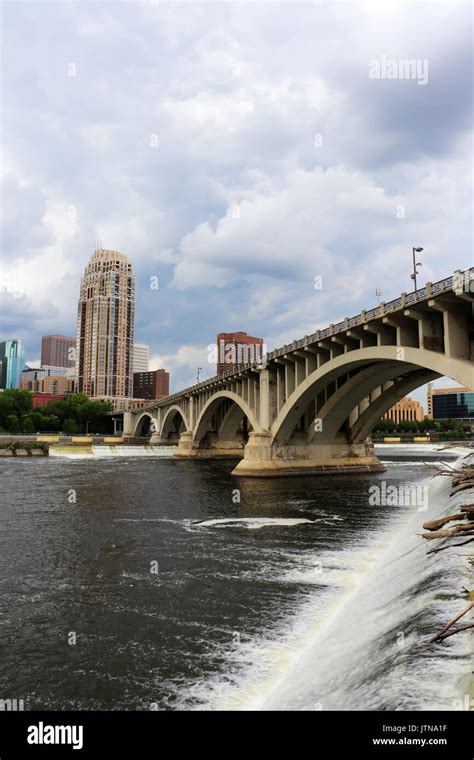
(310, 406)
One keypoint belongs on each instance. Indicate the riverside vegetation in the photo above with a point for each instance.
(72, 414)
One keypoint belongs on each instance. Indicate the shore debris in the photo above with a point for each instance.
(462, 525)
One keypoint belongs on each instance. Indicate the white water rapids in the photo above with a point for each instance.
(362, 645)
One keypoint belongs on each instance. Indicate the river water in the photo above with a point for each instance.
(153, 583)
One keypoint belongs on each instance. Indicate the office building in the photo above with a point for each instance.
(151, 385)
(105, 327)
(58, 351)
(141, 357)
(405, 409)
(237, 348)
(55, 385)
(450, 403)
(12, 359)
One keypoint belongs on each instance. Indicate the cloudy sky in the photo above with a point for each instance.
(236, 152)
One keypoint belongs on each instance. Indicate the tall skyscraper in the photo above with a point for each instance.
(105, 326)
(12, 361)
(56, 351)
(141, 357)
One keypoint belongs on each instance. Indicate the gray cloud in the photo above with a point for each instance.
(236, 99)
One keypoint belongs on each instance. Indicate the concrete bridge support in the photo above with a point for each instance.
(262, 458)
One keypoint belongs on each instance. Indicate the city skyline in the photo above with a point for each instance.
(220, 350)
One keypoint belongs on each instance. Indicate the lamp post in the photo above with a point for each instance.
(199, 373)
(415, 249)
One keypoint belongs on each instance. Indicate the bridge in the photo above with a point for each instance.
(310, 406)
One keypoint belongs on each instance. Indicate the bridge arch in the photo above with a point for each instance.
(357, 388)
(174, 421)
(384, 360)
(232, 418)
(143, 424)
(362, 427)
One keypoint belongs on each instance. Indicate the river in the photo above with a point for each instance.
(153, 583)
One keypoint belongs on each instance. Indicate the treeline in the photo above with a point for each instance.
(454, 427)
(73, 414)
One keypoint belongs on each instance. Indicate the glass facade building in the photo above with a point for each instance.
(447, 406)
(12, 359)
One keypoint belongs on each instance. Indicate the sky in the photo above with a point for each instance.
(234, 152)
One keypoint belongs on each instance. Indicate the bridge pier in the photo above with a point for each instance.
(157, 440)
(208, 449)
(262, 459)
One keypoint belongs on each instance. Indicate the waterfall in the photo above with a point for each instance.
(102, 451)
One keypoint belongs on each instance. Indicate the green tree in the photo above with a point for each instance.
(69, 426)
(27, 425)
(12, 424)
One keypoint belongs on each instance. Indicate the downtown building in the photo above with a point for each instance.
(151, 385)
(58, 351)
(407, 409)
(105, 327)
(141, 357)
(236, 349)
(451, 403)
(12, 363)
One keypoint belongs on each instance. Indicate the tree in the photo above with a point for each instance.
(12, 424)
(69, 426)
(27, 425)
(14, 402)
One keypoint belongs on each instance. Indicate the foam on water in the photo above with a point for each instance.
(253, 523)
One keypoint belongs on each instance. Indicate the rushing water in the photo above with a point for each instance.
(301, 596)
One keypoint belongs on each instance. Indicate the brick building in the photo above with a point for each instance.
(237, 348)
(151, 385)
(58, 351)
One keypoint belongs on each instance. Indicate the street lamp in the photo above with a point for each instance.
(415, 264)
(199, 372)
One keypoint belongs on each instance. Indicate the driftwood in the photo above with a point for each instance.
(462, 479)
(457, 617)
(449, 532)
(435, 524)
(462, 486)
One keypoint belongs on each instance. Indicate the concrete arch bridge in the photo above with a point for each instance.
(311, 405)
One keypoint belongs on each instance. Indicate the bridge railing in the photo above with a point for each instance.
(402, 301)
